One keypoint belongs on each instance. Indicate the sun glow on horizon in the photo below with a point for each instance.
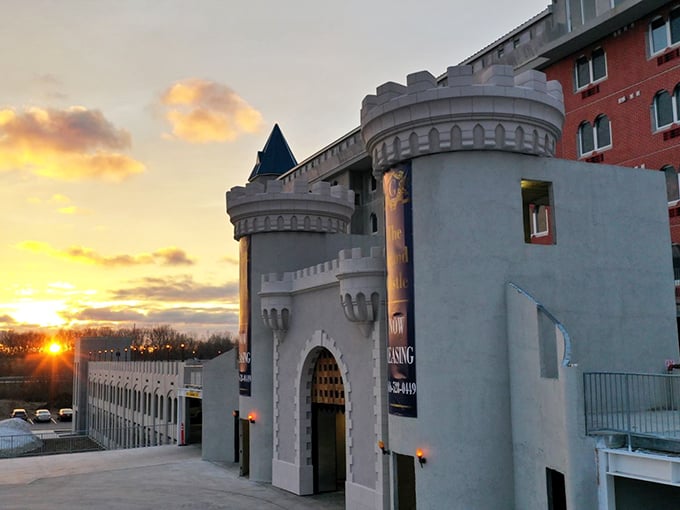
(55, 348)
(41, 313)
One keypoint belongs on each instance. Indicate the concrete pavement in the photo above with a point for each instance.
(167, 477)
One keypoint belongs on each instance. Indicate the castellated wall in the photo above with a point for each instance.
(318, 321)
(493, 411)
(491, 110)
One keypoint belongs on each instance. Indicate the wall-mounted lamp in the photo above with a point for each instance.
(234, 413)
(251, 417)
(381, 445)
(421, 457)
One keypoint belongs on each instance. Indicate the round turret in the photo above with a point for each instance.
(256, 209)
(492, 110)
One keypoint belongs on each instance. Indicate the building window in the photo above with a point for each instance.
(594, 137)
(374, 223)
(515, 42)
(586, 142)
(591, 69)
(603, 137)
(672, 183)
(537, 210)
(500, 52)
(664, 33)
(666, 108)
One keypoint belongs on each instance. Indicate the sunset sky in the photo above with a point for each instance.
(123, 123)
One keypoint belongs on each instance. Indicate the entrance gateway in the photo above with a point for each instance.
(328, 425)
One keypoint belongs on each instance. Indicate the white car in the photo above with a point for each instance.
(65, 414)
(42, 415)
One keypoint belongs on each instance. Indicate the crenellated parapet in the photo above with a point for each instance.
(258, 208)
(490, 110)
(361, 281)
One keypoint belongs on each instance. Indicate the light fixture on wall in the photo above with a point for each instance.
(251, 417)
(421, 457)
(234, 413)
(381, 445)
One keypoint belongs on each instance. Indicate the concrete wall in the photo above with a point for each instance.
(545, 405)
(220, 399)
(608, 278)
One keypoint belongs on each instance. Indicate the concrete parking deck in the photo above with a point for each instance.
(166, 477)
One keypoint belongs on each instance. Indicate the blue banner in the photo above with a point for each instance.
(401, 347)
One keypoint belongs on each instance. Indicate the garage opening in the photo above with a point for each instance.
(194, 420)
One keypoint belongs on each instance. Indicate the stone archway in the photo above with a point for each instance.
(320, 343)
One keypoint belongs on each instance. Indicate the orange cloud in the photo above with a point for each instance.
(203, 111)
(71, 144)
(165, 256)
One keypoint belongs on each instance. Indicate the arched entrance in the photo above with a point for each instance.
(328, 424)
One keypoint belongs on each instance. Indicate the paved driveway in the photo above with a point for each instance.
(167, 477)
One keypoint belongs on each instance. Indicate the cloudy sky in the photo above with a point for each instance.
(123, 123)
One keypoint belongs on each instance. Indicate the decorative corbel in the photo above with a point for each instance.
(277, 320)
(361, 311)
(362, 280)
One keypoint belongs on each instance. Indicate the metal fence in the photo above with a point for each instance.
(134, 436)
(47, 443)
(52, 442)
(632, 404)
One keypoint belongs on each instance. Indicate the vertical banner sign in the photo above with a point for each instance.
(244, 347)
(401, 347)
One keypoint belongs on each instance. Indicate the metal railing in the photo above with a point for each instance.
(134, 436)
(46, 443)
(632, 404)
(53, 442)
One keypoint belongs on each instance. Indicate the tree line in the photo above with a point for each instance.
(156, 342)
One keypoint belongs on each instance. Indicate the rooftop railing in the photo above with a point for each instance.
(640, 405)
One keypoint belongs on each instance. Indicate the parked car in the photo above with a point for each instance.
(20, 413)
(65, 414)
(42, 415)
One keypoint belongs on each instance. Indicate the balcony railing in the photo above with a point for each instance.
(640, 405)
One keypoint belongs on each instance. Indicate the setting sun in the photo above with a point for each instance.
(55, 348)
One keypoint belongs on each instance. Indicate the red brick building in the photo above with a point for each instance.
(619, 65)
(623, 91)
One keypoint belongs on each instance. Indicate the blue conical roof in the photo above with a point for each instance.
(275, 158)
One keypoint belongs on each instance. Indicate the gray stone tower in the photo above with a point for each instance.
(494, 251)
(277, 231)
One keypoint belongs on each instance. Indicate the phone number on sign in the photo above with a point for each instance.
(401, 387)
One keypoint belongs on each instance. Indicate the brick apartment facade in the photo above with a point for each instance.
(634, 75)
